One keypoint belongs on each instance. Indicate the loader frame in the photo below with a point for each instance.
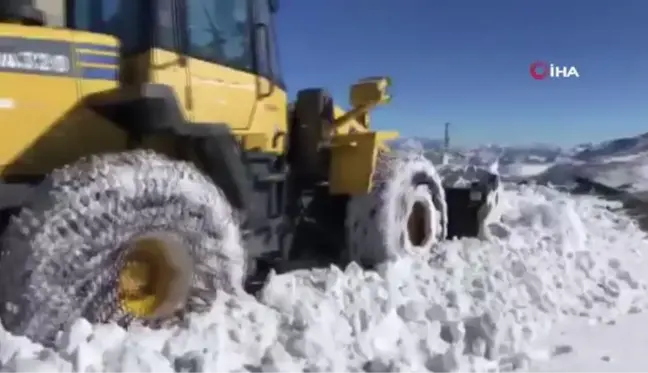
(291, 183)
(274, 176)
(289, 213)
(287, 198)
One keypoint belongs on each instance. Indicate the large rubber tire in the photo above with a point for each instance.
(377, 223)
(61, 254)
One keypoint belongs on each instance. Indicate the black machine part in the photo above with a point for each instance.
(464, 206)
(21, 11)
(312, 118)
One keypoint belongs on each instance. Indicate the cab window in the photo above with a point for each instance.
(220, 32)
(122, 19)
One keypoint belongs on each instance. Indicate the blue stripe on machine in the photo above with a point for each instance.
(98, 47)
(99, 73)
(98, 58)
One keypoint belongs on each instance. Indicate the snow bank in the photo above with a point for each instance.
(454, 310)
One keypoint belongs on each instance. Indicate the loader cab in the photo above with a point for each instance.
(169, 24)
(218, 56)
(212, 61)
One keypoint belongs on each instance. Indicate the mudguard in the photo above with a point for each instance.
(353, 161)
(153, 108)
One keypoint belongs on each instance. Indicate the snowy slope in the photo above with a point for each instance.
(616, 147)
(628, 172)
(554, 258)
(620, 163)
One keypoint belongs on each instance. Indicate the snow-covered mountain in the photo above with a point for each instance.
(537, 153)
(532, 153)
(426, 142)
(620, 163)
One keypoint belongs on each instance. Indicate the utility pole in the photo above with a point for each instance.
(445, 157)
(446, 143)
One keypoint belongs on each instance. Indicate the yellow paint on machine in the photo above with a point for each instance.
(50, 125)
(47, 126)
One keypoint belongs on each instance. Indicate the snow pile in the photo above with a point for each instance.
(468, 306)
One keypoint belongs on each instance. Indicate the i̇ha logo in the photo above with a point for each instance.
(541, 70)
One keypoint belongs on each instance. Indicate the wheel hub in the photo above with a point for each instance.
(151, 283)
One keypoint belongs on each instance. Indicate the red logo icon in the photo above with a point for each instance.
(539, 70)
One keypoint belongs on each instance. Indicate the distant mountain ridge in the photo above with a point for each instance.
(618, 163)
(532, 153)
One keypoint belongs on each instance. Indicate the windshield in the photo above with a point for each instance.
(119, 18)
(220, 31)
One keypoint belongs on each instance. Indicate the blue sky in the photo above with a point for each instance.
(467, 62)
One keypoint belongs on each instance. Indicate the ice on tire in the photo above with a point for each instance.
(61, 253)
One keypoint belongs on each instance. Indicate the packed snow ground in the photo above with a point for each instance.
(615, 346)
(471, 306)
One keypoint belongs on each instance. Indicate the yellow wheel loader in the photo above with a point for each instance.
(150, 159)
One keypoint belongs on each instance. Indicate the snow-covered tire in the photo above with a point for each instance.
(61, 254)
(405, 185)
